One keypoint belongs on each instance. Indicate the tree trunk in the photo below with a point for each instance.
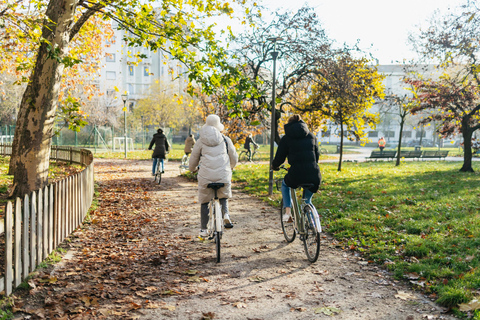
(33, 133)
(341, 148)
(402, 122)
(467, 149)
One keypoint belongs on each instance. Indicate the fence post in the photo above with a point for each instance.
(26, 236)
(45, 222)
(18, 242)
(39, 248)
(33, 232)
(8, 248)
(50, 219)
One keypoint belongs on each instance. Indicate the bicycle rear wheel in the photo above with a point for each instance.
(217, 245)
(243, 157)
(288, 228)
(159, 177)
(311, 239)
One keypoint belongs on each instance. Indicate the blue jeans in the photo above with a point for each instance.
(155, 164)
(287, 200)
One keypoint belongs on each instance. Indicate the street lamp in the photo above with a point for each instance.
(125, 98)
(274, 54)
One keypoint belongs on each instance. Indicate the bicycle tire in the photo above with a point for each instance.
(288, 228)
(243, 157)
(159, 177)
(217, 245)
(311, 238)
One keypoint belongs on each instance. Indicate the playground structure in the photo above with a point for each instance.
(119, 144)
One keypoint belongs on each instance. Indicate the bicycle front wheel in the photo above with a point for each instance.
(288, 228)
(311, 239)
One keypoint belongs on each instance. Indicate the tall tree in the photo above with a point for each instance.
(301, 52)
(344, 93)
(455, 104)
(453, 39)
(176, 22)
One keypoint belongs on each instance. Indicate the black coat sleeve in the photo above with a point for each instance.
(151, 144)
(281, 155)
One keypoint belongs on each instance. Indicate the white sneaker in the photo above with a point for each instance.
(203, 234)
(286, 216)
(227, 223)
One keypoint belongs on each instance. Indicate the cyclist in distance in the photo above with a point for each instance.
(215, 156)
(189, 143)
(161, 149)
(248, 142)
(299, 146)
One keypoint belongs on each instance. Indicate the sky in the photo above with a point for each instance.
(383, 24)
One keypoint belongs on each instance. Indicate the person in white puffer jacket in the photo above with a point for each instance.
(214, 156)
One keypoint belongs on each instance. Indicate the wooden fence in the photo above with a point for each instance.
(38, 223)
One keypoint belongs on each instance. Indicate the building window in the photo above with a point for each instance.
(110, 93)
(111, 75)
(110, 57)
(145, 71)
(326, 133)
(389, 134)
(131, 88)
(419, 134)
(373, 134)
(407, 134)
(130, 70)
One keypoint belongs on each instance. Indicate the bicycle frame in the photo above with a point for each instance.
(299, 215)
(217, 208)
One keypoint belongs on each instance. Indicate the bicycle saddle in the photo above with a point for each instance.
(215, 185)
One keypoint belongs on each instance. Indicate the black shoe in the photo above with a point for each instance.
(227, 223)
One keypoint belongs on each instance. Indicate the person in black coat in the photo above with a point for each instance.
(299, 146)
(161, 149)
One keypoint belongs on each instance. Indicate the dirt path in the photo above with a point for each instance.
(140, 259)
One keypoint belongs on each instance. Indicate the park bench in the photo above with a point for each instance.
(410, 154)
(382, 155)
(434, 154)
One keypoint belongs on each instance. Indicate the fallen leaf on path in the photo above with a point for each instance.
(299, 309)
(191, 272)
(208, 316)
(472, 305)
(239, 305)
(329, 311)
(404, 295)
(256, 279)
(169, 308)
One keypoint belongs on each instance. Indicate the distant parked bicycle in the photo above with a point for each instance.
(243, 157)
(322, 151)
(305, 222)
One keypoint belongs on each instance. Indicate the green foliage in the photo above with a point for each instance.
(420, 219)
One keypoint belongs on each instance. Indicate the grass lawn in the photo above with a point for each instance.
(420, 220)
(176, 153)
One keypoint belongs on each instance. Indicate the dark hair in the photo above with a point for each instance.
(294, 118)
(160, 131)
(191, 135)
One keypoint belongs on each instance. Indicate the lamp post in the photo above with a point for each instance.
(125, 98)
(143, 134)
(274, 54)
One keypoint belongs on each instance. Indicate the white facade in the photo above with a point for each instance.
(122, 70)
(389, 126)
